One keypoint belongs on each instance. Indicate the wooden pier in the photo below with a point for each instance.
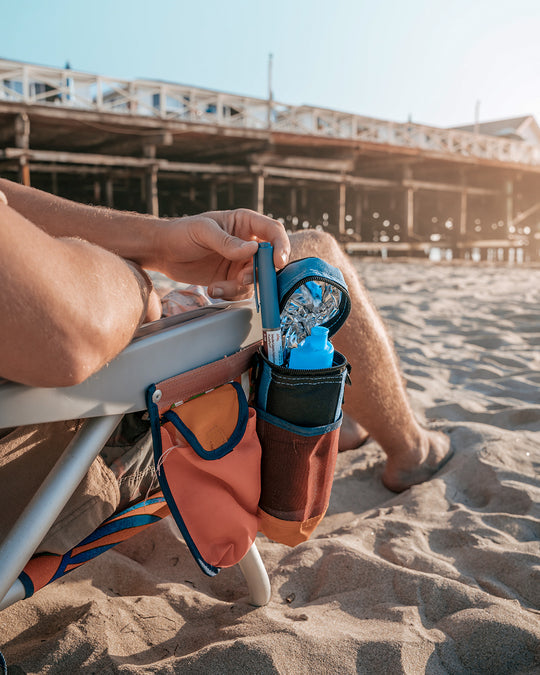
(169, 150)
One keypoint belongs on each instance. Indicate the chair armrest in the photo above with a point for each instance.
(167, 347)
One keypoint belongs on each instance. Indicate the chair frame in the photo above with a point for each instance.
(159, 350)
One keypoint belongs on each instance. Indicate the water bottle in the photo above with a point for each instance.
(314, 353)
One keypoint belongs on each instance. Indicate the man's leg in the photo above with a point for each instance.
(377, 402)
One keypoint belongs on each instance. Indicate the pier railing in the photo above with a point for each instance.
(40, 85)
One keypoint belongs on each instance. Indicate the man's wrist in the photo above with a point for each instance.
(144, 281)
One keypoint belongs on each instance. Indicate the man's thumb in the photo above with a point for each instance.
(238, 249)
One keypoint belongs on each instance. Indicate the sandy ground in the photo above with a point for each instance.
(444, 578)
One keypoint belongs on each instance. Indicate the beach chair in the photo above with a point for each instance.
(177, 344)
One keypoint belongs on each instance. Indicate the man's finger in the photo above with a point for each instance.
(213, 237)
(266, 229)
(229, 290)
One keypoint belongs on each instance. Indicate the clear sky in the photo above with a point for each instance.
(431, 59)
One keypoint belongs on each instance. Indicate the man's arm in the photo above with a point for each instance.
(72, 304)
(67, 306)
(213, 249)
(126, 234)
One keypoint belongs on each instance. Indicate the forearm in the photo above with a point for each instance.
(68, 307)
(129, 235)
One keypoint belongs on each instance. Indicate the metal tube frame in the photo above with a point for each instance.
(51, 497)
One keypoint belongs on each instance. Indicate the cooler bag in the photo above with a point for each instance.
(299, 411)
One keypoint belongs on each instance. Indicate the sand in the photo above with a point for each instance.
(444, 578)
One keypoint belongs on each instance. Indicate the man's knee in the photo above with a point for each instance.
(308, 243)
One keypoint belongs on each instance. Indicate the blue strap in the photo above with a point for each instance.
(155, 425)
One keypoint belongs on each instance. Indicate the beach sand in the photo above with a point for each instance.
(443, 578)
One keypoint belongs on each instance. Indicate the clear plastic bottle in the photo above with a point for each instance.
(314, 353)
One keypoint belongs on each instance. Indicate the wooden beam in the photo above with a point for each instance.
(114, 160)
(24, 172)
(368, 163)
(463, 213)
(358, 213)
(525, 214)
(409, 213)
(447, 187)
(230, 149)
(258, 187)
(342, 207)
(22, 131)
(92, 159)
(493, 243)
(40, 167)
(293, 201)
(109, 192)
(358, 246)
(325, 176)
(509, 204)
(152, 201)
(137, 142)
(313, 163)
(22, 141)
(213, 197)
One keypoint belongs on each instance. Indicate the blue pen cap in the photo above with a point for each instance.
(268, 293)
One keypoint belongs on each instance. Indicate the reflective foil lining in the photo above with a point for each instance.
(314, 303)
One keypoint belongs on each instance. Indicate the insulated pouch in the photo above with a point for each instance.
(207, 457)
(299, 415)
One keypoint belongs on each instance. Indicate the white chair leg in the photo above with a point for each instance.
(256, 577)
(15, 593)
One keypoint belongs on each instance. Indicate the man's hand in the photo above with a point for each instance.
(216, 249)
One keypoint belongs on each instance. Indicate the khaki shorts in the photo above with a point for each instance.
(122, 474)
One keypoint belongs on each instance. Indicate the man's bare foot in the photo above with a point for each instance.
(400, 473)
(351, 434)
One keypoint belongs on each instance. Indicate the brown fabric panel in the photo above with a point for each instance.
(296, 472)
(184, 386)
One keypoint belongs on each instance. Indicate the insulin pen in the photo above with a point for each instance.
(268, 297)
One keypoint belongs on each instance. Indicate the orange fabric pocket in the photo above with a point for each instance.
(208, 459)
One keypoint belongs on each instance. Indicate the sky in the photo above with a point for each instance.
(427, 60)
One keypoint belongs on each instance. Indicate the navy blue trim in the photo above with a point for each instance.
(299, 431)
(263, 385)
(92, 553)
(27, 583)
(108, 528)
(64, 562)
(155, 425)
(230, 444)
(3, 664)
